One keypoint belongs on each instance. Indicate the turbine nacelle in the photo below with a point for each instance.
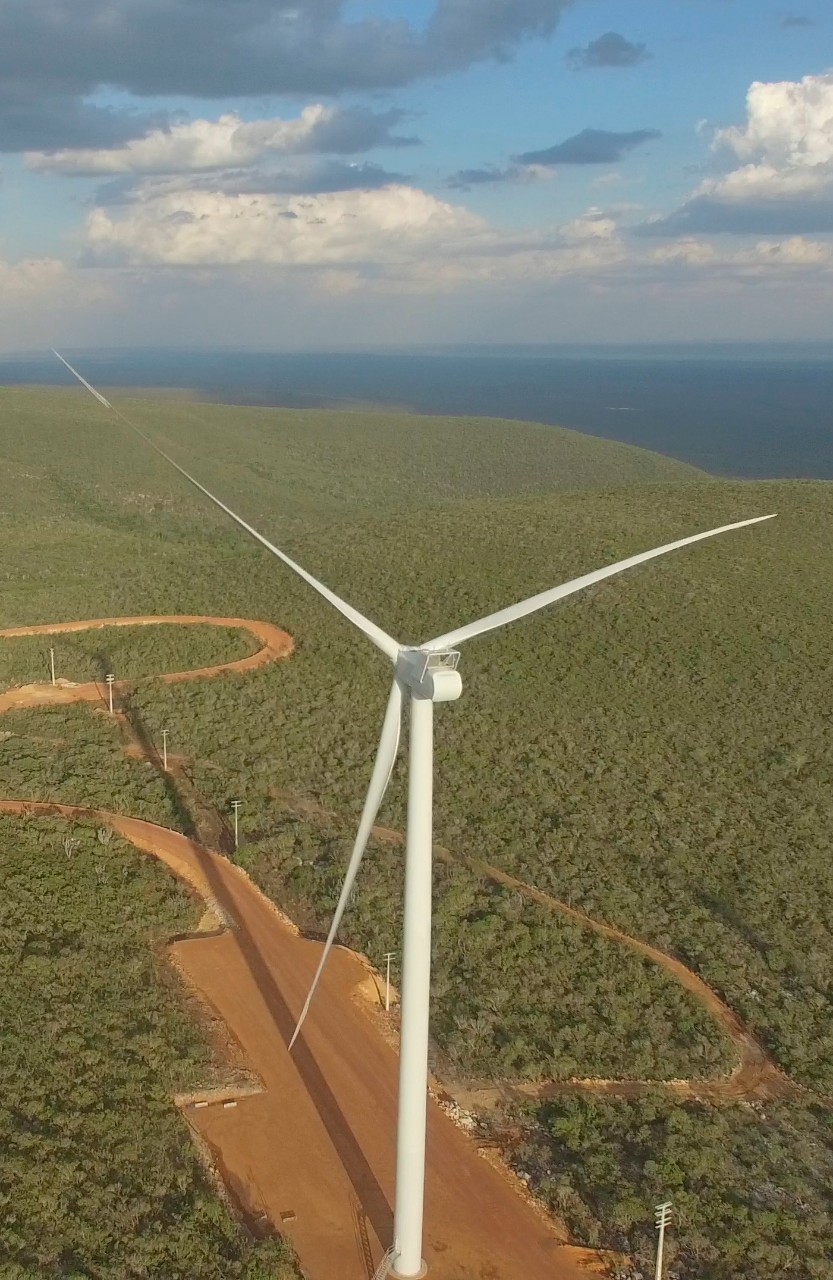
(431, 676)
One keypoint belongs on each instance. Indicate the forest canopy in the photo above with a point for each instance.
(653, 753)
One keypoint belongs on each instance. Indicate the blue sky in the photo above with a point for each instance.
(327, 174)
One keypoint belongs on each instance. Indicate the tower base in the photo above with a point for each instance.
(393, 1274)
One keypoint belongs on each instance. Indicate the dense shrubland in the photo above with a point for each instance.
(751, 1187)
(74, 755)
(655, 751)
(518, 992)
(130, 653)
(99, 1176)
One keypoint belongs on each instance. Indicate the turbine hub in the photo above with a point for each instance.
(432, 676)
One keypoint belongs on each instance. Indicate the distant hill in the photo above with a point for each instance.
(655, 753)
(315, 462)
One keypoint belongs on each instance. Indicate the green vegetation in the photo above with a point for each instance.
(518, 992)
(752, 1187)
(655, 752)
(130, 653)
(74, 755)
(99, 1177)
(289, 464)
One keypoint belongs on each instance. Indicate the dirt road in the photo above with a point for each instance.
(313, 1152)
(310, 1152)
(274, 643)
(756, 1077)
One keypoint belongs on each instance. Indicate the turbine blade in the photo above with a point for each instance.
(380, 638)
(382, 770)
(83, 381)
(544, 598)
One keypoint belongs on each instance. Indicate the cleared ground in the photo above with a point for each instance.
(312, 1153)
(330, 1107)
(653, 756)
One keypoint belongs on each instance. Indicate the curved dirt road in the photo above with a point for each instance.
(756, 1077)
(274, 642)
(312, 1153)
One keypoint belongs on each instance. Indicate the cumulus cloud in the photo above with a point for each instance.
(41, 284)
(795, 251)
(30, 277)
(205, 259)
(784, 183)
(395, 238)
(591, 146)
(43, 299)
(789, 124)
(229, 141)
(594, 225)
(306, 178)
(55, 54)
(204, 228)
(609, 50)
(690, 251)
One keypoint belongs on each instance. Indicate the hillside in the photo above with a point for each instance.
(291, 464)
(653, 753)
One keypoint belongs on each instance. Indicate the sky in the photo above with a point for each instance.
(328, 174)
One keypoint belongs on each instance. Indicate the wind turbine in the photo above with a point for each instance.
(425, 674)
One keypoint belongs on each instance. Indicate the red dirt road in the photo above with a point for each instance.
(275, 644)
(311, 1153)
(314, 1151)
(756, 1077)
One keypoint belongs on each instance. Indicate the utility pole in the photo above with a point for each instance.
(235, 804)
(663, 1213)
(52, 664)
(388, 957)
(165, 750)
(110, 679)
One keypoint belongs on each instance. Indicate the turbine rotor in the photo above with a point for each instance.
(430, 675)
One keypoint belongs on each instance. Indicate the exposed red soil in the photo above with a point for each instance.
(317, 1144)
(312, 1154)
(756, 1076)
(275, 644)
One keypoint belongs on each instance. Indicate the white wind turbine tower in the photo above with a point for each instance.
(425, 674)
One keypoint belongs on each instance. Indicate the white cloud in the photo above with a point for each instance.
(783, 185)
(204, 228)
(396, 238)
(766, 182)
(399, 239)
(592, 225)
(691, 252)
(199, 145)
(789, 123)
(795, 251)
(31, 277)
(43, 299)
(786, 143)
